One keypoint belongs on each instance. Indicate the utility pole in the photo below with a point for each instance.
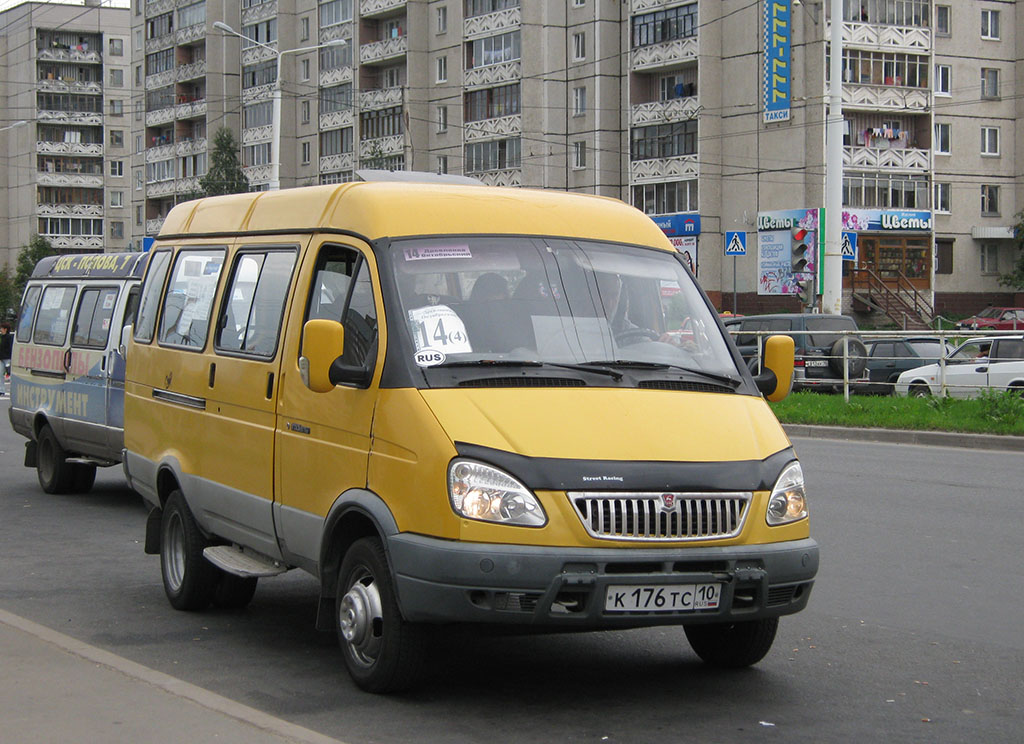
(832, 286)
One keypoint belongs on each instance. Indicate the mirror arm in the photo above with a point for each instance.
(766, 381)
(349, 374)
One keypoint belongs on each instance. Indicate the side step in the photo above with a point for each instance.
(236, 561)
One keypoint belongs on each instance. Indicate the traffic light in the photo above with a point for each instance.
(805, 288)
(801, 254)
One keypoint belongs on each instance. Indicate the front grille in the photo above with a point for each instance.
(505, 382)
(661, 516)
(693, 387)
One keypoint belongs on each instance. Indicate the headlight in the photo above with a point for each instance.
(788, 501)
(478, 491)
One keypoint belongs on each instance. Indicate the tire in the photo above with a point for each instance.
(233, 592)
(733, 645)
(83, 476)
(856, 361)
(919, 391)
(55, 474)
(383, 652)
(189, 579)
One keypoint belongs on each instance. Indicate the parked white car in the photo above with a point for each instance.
(995, 363)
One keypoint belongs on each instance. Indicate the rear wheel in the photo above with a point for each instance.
(189, 579)
(383, 652)
(919, 391)
(55, 474)
(733, 645)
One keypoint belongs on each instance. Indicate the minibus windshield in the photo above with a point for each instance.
(511, 300)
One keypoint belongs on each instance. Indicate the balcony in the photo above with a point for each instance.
(382, 52)
(80, 118)
(666, 55)
(336, 76)
(159, 116)
(191, 70)
(503, 72)
(153, 226)
(501, 126)
(160, 42)
(186, 147)
(67, 55)
(508, 177)
(663, 112)
(70, 86)
(907, 159)
(70, 148)
(912, 39)
(381, 8)
(382, 147)
(336, 119)
(257, 93)
(161, 79)
(343, 162)
(190, 109)
(661, 169)
(252, 135)
(884, 97)
(338, 31)
(190, 33)
(258, 13)
(257, 174)
(378, 98)
(75, 243)
(492, 23)
(160, 152)
(69, 210)
(158, 7)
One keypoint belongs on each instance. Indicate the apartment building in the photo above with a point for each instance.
(67, 123)
(664, 103)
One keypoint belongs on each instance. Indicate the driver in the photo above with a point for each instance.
(614, 304)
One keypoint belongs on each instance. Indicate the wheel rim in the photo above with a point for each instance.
(361, 618)
(173, 553)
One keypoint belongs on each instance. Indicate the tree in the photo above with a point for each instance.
(225, 175)
(1015, 279)
(38, 248)
(9, 296)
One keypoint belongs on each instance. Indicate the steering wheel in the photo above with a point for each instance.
(635, 335)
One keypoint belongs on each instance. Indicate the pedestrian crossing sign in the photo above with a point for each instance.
(735, 243)
(849, 246)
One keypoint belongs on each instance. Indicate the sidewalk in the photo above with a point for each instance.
(56, 688)
(906, 436)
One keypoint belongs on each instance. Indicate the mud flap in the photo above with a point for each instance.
(153, 522)
(30, 453)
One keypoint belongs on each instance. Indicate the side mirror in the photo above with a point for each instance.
(126, 336)
(776, 378)
(323, 341)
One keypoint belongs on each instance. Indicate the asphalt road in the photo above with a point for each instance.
(911, 633)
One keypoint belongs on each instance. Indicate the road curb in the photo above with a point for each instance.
(906, 436)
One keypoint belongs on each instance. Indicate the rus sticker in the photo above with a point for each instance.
(429, 357)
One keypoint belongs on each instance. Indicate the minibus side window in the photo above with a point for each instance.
(185, 316)
(335, 296)
(27, 314)
(92, 324)
(54, 315)
(155, 276)
(360, 322)
(250, 321)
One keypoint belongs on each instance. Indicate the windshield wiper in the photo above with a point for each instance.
(636, 364)
(534, 363)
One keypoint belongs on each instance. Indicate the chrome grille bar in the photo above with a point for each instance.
(661, 516)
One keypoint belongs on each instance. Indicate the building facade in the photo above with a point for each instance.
(709, 115)
(66, 77)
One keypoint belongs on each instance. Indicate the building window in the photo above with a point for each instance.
(264, 32)
(944, 256)
(138, 180)
(578, 3)
(886, 191)
(492, 50)
(990, 24)
(117, 77)
(943, 80)
(392, 76)
(304, 26)
(989, 258)
(942, 27)
(116, 107)
(666, 198)
(990, 200)
(306, 153)
(942, 197)
(336, 98)
(989, 82)
(491, 103)
(482, 157)
(256, 154)
(336, 57)
(335, 142)
(262, 73)
(117, 198)
(442, 164)
(138, 76)
(138, 215)
(990, 140)
(943, 139)
(579, 155)
(305, 112)
(381, 123)
(665, 25)
(442, 118)
(116, 47)
(886, 68)
(482, 7)
(442, 69)
(117, 167)
(579, 46)
(117, 229)
(442, 19)
(579, 101)
(677, 85)
(257, 115)
(117, 138)
(305, 69)
(663, 140)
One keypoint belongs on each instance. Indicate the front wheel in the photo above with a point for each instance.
(919, 391)
(189, 579)
(56, 475)
(383, 652)
(733, 645)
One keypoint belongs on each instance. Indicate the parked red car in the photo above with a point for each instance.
(994, 319)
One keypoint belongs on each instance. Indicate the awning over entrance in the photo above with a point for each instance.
(991, 232)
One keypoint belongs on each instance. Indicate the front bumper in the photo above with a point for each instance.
(445, 581)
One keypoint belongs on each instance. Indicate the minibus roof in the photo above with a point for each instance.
(375, 210)
(91, 266)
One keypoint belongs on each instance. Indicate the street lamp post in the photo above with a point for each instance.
(275, 121)
(12, 126)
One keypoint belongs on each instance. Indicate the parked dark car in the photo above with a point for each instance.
(889, 357)
(818, 360)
